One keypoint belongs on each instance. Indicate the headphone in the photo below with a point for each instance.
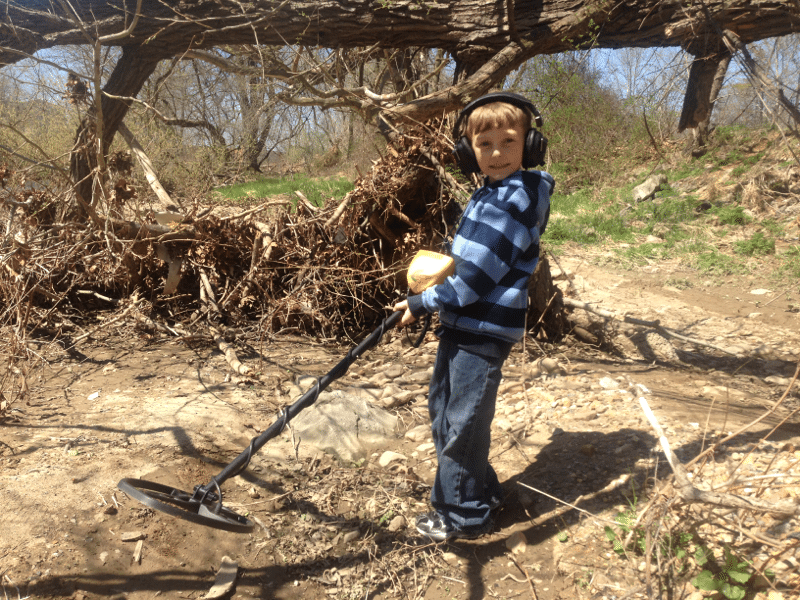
(535, 143)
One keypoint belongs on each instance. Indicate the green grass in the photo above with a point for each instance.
(790, 263)
(730, 215)
(757, 245)
(317, 190)
(713, 262)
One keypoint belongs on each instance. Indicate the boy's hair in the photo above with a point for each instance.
(495, 116)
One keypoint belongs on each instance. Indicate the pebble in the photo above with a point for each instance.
(394, 371)
(419, 433)
(389, 457)
(397, 524)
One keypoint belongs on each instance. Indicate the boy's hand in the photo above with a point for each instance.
(408, 318)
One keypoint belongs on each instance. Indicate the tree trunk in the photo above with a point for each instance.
(131, 71)
(703, 128)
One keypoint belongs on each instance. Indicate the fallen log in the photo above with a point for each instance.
(572, 303)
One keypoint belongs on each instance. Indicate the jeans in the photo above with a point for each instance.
(461, 403)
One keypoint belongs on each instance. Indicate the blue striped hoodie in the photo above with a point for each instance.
(496, 249)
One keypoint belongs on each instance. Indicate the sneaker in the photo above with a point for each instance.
(496, 502)
(432, 525)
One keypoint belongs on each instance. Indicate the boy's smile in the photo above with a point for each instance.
(499, 151)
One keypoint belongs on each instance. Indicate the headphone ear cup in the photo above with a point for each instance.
(465, 157)
(535, 149)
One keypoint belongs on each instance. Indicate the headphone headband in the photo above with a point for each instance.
(515, 99)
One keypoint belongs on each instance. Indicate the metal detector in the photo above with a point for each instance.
(204, 506)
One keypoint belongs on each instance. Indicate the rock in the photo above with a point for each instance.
(607, 383)
(389, 457)
(132, 536)
(226, 579)
(345, 426)
(397, 524)
(451, 558)
(648, 189)
(419, 433)
(399, 399)
(425, 448)
(379, 379)
(351, 536)
(584, 414)
(503, 424)
(394, 371)
(517, 543)
(390, 390)
(587, 450)
(418, 377)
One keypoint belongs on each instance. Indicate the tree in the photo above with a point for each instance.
(487, 39)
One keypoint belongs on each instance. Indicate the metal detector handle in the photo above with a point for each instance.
(306, 400)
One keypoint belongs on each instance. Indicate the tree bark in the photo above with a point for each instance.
(129, 75)
(703, 128)
(498, 35)
(169, 27)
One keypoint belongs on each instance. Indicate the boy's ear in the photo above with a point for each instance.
(465, 157)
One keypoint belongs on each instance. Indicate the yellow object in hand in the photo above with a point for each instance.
(428, 269)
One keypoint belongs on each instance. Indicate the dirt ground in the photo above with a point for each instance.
(128, 406)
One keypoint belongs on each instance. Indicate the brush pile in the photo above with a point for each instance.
(280, 265)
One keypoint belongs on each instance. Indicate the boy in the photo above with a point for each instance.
(482, 306)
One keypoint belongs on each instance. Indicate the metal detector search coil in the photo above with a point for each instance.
(204, 505)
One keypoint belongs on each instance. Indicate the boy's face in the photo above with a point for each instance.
(499, 151)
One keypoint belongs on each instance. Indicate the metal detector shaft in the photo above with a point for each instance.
(306, 400)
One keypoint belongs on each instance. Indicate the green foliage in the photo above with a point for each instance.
(791, 262)
(586, 151)
(730, 215)
(757, 245)
(317, 190)
(712, 262)
(668, 545)
(730, 580)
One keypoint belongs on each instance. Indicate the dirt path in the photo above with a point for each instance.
(156, 410)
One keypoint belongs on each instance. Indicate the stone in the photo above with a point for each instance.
(584, 414)
(397, 524)
(390, 390)
(648, 189)
(344, 425)
(607, 383)
(351, 536)
(517, 543)
(394, 371)
(389, 457)
(587, 450)
(399, 399)
(418, 377)
(419, 433)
